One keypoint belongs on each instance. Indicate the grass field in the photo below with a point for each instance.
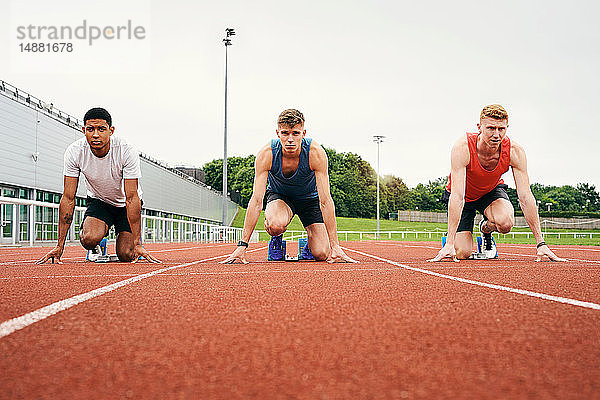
(369, 226)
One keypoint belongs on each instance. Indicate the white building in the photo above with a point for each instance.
(33, 138)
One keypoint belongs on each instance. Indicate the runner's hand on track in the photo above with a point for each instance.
(337, 254)
(55, 254)
(238, 255)
(545, 251)
(140, 251)
(448, 251)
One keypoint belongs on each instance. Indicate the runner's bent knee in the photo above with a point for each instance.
(90, 240)
(463, 253)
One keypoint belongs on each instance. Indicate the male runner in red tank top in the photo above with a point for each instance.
(477, 164)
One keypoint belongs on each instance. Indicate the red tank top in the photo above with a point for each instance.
(479, 180)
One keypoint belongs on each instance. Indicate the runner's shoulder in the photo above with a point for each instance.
(264, 157)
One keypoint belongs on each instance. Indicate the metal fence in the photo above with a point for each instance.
(420, 235)
(34, 222)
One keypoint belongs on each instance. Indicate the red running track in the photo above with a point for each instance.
(390, 328)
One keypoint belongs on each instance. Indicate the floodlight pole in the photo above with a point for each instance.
(378, 139)
(228, 32)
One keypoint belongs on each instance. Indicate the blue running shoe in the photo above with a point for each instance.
(306, 254)
(276, 250)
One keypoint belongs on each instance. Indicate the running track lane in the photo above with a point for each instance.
(306, 330)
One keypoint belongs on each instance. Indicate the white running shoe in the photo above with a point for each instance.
(95, 253)
(489, 244)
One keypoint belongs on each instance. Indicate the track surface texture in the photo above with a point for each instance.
(393, 327)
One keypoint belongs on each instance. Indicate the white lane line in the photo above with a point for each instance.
(2, 264)
(508, 254)
(518, 246)
(555, 246)
(558, 299)
(17, 323)
(83, 258)
(534, 255)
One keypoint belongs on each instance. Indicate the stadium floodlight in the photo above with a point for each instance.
(378, 139)
(228, 32)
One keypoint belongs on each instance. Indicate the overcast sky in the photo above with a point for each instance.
(417, 72)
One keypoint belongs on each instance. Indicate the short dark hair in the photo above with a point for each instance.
(98, 113)
(290, 117)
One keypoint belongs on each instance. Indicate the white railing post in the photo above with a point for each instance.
(15, 225)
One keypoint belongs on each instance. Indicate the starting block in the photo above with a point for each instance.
(103, 252)
(480, 248)
(479, 254)
(303, 242)
(279, 253)
(107, 258)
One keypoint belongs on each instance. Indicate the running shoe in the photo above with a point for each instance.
(276, 250)
(489, 244)
(94, 253)
(306, 254)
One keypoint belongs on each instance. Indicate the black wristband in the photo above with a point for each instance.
(242, 243)
(540, 244)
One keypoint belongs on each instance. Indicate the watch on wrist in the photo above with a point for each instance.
(242, 243)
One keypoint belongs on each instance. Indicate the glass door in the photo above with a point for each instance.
(6, 223)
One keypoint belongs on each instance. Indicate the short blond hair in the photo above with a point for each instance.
(290, 117)
(495, 111)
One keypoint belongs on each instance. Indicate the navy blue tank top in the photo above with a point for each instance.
(302, 184)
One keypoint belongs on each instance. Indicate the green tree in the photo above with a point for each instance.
(353, 184)
(240, 175)
(396, 194)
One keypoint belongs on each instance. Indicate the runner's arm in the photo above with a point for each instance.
(459, 159)
(318, 163)
(518, 161)
(66, 209)
(134, 209)
(262, 165)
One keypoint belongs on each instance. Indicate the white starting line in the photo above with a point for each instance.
(83, 258)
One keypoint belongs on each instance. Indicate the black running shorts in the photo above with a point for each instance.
(108, 213)
(467, 217)
(308, 210)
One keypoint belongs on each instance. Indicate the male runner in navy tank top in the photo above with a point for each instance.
(477, 164)
(295, 169)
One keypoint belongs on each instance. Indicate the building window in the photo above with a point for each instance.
(9, 192)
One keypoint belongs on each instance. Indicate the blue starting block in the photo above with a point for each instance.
(304, 255)
(277, 250)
